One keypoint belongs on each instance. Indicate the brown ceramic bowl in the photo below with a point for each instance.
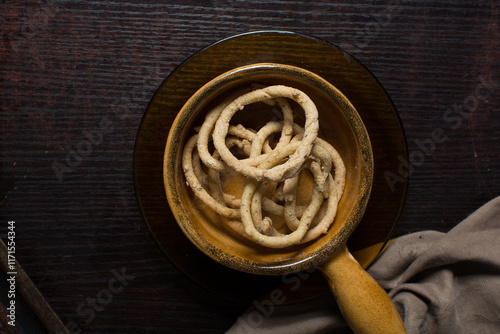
(364, 304)
(340, 125)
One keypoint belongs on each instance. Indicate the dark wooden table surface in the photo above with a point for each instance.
(77, 76)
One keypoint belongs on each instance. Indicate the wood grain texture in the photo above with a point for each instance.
(76, 77)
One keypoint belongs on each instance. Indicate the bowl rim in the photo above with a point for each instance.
(197, 100)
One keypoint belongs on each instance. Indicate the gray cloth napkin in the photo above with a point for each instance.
(439, 282)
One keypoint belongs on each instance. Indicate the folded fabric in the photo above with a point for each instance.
(439, 282)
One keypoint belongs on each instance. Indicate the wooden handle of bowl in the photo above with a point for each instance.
(364, 304)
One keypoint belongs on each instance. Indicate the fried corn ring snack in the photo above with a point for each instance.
(250, 217)
(194, 182)
(267, 212)
(213, 116)
(296, 160)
